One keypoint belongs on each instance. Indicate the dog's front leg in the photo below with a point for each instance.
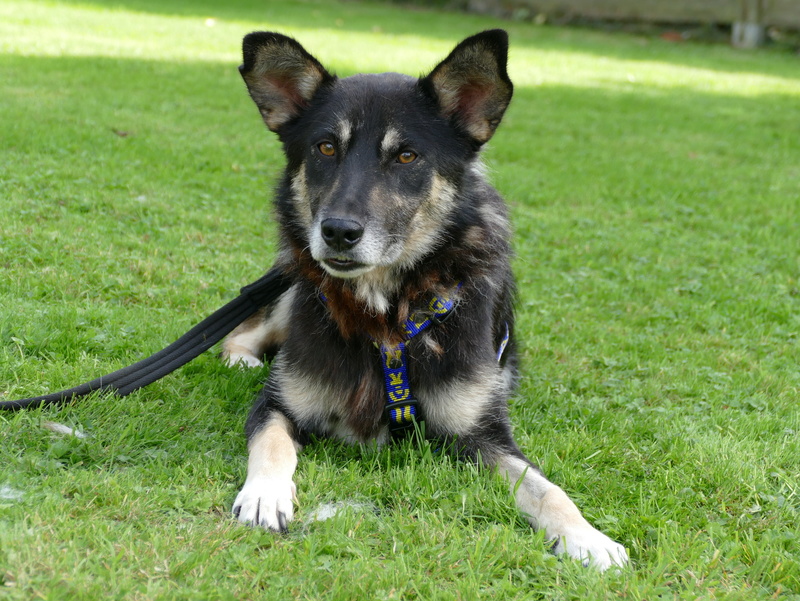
(260, 334)
(266, 499)
(547, 507)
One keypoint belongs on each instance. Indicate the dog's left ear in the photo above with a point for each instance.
(281, 76)
(472, 86)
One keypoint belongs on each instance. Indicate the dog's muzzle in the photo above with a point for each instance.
(341, 236)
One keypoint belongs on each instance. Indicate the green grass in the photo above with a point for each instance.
(655, 190)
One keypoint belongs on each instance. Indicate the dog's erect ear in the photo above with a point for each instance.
(472, 86)
(281, 76)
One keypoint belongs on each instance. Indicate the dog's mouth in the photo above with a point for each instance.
(343, 266)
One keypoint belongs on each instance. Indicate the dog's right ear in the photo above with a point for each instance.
(281, 76)
(472, 86)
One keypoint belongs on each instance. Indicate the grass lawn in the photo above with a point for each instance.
(655, 190)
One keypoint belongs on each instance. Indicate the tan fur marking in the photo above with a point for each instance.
(497, 219)
(543, 503)
(529, 491)
(373, 287)
(300, 194)
(272, 450)
(310, 399)
(470, 397)
(547, 507)
(450, 93)
(248, 342)
(351, 412)
(433, 346)
(390, 141)
(345, 132)
(426, 225)
(479, 169)
(266, 499)
(315, 401)
(475, 237)
(281, 83)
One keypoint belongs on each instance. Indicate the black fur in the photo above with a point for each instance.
(316, 343)
(382, 207)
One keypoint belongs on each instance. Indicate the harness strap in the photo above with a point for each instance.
(194, 342)
(401, 406)
(503, 344)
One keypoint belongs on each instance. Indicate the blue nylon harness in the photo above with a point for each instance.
(401, 406)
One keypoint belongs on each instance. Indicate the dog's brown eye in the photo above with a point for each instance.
(406, 157)
(327, 149)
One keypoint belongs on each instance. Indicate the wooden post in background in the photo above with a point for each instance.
(749, 30)
(749, 18)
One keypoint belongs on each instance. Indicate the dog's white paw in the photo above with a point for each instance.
(592, 548)
(266, 502)
(242, 359)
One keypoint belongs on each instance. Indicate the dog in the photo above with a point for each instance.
(401, 303)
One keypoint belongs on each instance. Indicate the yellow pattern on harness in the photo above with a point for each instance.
(401, 407)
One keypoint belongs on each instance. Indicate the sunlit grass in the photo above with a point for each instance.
(36, 29)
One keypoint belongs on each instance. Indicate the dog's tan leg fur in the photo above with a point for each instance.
(547, 507)
(267, 328)
(266, 499)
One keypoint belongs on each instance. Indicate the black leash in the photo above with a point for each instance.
(194, 342)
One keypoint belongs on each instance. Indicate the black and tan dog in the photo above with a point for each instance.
(401, 304)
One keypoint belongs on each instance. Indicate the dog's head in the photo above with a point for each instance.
(376, 162)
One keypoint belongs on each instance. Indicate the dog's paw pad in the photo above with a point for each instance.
(266, 502)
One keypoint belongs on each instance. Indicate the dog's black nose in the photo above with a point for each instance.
(341, 234)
